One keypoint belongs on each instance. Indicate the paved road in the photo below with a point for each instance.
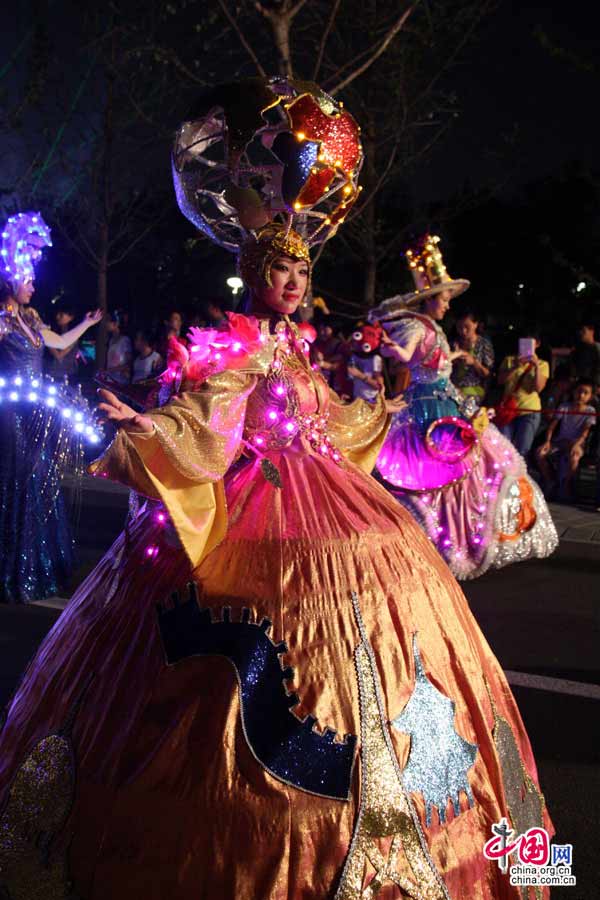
(542, 620)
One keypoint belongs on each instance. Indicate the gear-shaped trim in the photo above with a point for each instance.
(289, 748)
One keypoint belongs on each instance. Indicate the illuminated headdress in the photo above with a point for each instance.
(258, 158)
(257, 253)
(23, 238)
(429, 275)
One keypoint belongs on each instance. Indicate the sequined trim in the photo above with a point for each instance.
(289, 748)
(385, 808)
(525, 801)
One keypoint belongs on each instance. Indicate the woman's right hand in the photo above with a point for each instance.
(122, 415)
(92, 318)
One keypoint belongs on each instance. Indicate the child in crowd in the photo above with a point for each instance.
(574, 421)
(147, 362)
(365, 365)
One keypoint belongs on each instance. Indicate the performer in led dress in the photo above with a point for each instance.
(43, 426)
(319, 716)
(460, 478)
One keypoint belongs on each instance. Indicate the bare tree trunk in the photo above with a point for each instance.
(105, 218)
(281, 25)
(370, 219)
(102, 294)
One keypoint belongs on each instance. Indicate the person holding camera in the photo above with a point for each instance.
(523, 377)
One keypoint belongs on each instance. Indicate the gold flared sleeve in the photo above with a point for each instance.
(182, 463)
(358, 429)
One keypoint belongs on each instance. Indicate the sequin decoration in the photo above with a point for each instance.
(520, 501)
(245, 157)
(385, 808)
(39, 802)
(289, 748)
(271, 472)
(439, 757)
(525, 802)
(299, 158)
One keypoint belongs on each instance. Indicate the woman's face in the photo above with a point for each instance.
(289, 279)
(63, 319)
(24, 292)
(437, 306)
(466, 329)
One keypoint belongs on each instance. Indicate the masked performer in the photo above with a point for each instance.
(43, 425)
(319, 716)
(460, 478)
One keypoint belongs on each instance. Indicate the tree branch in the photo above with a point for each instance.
(331, 20)
(242, 38)
(381, 49)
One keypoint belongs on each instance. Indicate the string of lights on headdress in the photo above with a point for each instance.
(264, 150)
(23, 238)
(426, 263)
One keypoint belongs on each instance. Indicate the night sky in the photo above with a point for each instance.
(507, 80)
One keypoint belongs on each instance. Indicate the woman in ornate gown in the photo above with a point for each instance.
(464, 483)
(42, 427)
(319, 716)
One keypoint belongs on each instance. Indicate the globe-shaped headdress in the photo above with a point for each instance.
(265, 152)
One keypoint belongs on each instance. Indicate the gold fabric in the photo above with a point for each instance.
(199, 434)
(358, 429)
(197, 437)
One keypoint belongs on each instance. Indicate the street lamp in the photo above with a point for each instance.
(235, 283)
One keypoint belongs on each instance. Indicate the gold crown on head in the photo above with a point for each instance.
(427, 267)
(258, 253)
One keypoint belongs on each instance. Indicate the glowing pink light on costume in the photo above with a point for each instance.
(290, 426)
(161, 517)
(280, 390)
(151, 551)
(236, 346)
(272, 415)
(258, 440)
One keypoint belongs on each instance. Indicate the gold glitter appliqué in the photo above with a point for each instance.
(524, 800)
(271, 472)
(37, 808)
(385, 808)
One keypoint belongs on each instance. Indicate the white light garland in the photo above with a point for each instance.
(38, 390)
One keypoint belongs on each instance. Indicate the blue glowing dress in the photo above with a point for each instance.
(37, 443)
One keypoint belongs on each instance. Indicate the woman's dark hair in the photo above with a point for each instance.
(67, 308)
(469, 313)
(6, 290)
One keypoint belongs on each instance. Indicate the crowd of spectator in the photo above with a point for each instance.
(549, 412)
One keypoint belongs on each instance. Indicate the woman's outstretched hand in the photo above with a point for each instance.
(122, 415)
(396, 405)
(92, 318)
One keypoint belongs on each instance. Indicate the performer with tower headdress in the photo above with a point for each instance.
(318, 714)
(43, 426)
(460, 478)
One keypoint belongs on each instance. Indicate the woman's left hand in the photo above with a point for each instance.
(396, 405)
(92, 318)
